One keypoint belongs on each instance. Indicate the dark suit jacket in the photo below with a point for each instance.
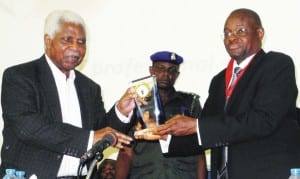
(259, 122)
(34, 137)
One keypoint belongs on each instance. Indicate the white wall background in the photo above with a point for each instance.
(123, 33)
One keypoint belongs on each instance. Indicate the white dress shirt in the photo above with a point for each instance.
(71, 114)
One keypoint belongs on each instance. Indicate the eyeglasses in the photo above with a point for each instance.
(172, 70)
(242, 32)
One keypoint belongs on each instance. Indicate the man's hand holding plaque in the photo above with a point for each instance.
(148, 132)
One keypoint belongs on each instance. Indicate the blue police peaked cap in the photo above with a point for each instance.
(166, 56)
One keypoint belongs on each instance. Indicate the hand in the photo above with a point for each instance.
(178, 126)
(122, 138)
(147, 134)
(126, 103)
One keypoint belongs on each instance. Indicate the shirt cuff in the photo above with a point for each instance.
(198, 133)
(90, 142)
(164, 144)
(123, 118)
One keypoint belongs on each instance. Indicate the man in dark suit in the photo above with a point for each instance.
(53, 113)
(176, 157)
(253, 117)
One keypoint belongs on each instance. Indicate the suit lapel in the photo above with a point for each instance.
(82, 99)
(49, 87)
(244, 81)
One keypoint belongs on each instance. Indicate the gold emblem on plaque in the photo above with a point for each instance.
(143, 90)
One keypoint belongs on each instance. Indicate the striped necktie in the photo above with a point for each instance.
(222, 172)
(235, 74)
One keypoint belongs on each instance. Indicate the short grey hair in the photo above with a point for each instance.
(57, 17)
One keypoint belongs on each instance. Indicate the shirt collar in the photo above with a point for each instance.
(244, 63)
(57, 73)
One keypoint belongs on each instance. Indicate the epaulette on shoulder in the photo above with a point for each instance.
(194, 95)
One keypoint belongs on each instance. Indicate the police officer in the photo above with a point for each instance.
(176, 157)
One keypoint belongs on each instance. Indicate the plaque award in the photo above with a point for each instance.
(147, 92)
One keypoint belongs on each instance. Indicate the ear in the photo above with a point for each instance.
(261, 32)
(47, 41)
(151, 70)
(177, 74)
